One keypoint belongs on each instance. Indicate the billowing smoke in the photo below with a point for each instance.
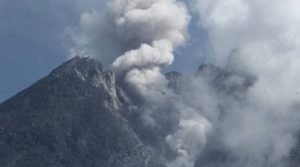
(141, 35)
(243, 114)
(259, 38)
(132, 25)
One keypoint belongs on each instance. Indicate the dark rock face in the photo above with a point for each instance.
(225, 81)
(174, 79)
(70, 119)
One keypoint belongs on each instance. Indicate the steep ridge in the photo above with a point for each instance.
(70, 119)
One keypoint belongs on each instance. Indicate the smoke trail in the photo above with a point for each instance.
(151, 25)
(143, 74)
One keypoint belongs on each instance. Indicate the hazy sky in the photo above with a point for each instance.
(32, 40)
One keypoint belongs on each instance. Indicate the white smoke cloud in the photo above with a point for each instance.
(149, 83)
(143, 35)
(257, 38)
(260, 38)
(151, 28)
(151, 20)
(126, 25)
(190, 138)
(160, 54)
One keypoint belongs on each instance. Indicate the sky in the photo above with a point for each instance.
(32, 40)
(30, 44)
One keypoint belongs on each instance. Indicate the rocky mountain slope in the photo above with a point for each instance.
(80, 116)
(70, 119)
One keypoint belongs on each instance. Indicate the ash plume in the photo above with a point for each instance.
(126, 25)
(261, 39)
(249, 107)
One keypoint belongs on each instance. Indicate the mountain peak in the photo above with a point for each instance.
(84, 67)
(70, 118)
(88, 70)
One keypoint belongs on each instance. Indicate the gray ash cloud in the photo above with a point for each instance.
(250, 104)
